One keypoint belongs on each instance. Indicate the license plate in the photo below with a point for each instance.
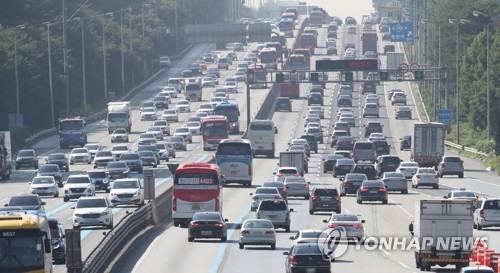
(310, 270)
(206, 232)
(372, 191)
(272, 216)
(195, 207)
(445, 257)
(234, 172)
(261, 148)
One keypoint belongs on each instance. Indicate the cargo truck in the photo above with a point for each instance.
(443, 230)
(5, 152)
(428, 143)
(394, 60)
(194, 90)
(119, 116)
(295, 159)
(72, 132)
(369, 41)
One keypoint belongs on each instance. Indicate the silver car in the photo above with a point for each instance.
(451, 165)
(264, 193)
(487, 213)
(257, 232)
(395, 181)
(351, 222)
(297, 186)
(44, 185)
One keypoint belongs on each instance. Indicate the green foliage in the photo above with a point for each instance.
(18, 135)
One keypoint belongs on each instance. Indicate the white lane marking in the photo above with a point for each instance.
(385, 252)
(403, 265)
(347, 211)
(401, 207)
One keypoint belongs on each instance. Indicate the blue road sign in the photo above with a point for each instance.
(444, 116)
(402, 32)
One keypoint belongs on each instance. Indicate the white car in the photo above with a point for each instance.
(376, 136)
(80, 155)
(44, 185)
(264, 193)
(156, 131)
(257, 232)
(317, 110)
(170, 90)
(78, 185)
(208, 81)
(206, 107)
(408, 168)
(283, 172)
(128, 191)
(148, 113)
(183, 106)
(425, 177)
(93, 148)
(372, 98)
(184, 132)
(240, 76)
(215, 101)
(119, 135)
(147, 139)
(170, 115)
(118, 150)
(163, 125)
(102, 158)
(231, 85)
(222, 95)
(343, 110)
(92, 211)
(194, 127)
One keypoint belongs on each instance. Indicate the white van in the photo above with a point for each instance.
(261, 133)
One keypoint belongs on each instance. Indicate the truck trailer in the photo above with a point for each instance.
(428, 143)
(119, 116)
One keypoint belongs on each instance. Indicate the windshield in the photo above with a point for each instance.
(43, 180)
(80, 151)
(120, 131)
(91, 203)
(104, 154)
(182, 130)
(116, 165)
(26, 153)
(297, 61)
(234, 149)
(464, 194)
(24, 200)
(215, 129)
(146, 154)
(231, 114)
(268, 57)
(129, 156)
(97, 174)
(22, 253)
(177, 139)
(119, 148)
(56, 156)
(126, 184)
(258, 224)
(266, 191)
(70, 125)
(193, 124)
(77, 180)
(340, 217)
(146, 136)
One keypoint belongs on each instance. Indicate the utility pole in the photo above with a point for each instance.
(65, 58)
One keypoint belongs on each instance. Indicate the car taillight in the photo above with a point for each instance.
(331, 225)
(244, 232)
(382, 190)
(219, 225)
(314, 198)
(346, 183)
(295, 174)
(418, 176)
(292, 260)
(337, 198)
(255, 197)
(194, 225)
(279, 175)
(217, 205)
(269, 232)
(481, 213)
(174, 204)
(363, 190)
(357, 226)
(249, 170)
(306, 186)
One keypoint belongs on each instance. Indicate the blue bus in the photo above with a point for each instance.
(235, 160)
(232, 112)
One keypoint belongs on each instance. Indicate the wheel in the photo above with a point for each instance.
(359, 201)
(307, 197)
(479, 226)
(384, 202)
(321, 142)
(461, 175)
(440, 175)
(190, 239)
(404, 191)
(273, 246)
(65, 199)
(109, 226)
(287, 228)
(242, 246)
(56, 194)
(223, 239)
(435, 187)
(311, 212)
(474, 225)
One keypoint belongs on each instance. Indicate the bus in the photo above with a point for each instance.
(262, 135)
(307, 40)
(235, 160)
(213, 130)
(25, 242)
(197, 188)
(316, 18)
(286, 26)
(259, 76)
(231, 111)
(268, 57)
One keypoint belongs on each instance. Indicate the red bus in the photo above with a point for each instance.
(259, 76)
(197, 188)
(213, 130)
(268, 57)
(308, 40)
(306, 52)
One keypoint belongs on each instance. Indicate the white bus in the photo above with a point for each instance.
(235, 160)
(262, 134)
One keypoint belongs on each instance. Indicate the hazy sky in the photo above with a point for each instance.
(343, 8)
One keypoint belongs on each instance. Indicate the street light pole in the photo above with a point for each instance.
(65, 58)
(457, 66)
(50, 77)
(104, 59)
(121, 47)
(18, 109)
(84, 75)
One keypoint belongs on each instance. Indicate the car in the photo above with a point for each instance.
(257, 232)
(296, 186)
(477, 269)
(344, 153)
(44, 185)
(276, 211)
(403, 112)
(117, 170)
(329, 162)
(408, 168)
(51, 170)
(102, 158)
(425, 177)
(147, 139)
(207, 225)
(179, 142)
(163, 152)
(151, 148)
(264, 193)
(87, 208)
(300, 144)
(487, 213)
(128, 191)
(462, 194)
(169, 91)
(164, 61)
(307, 236)
(395, 181)
(194, 127)
(373, 127)
(184, 132)
(171, 149)
(148, 158)
(318, 110)
(368, 87)
(345, 143)
(213, 70)
(280, 185)
(350, 21)
(133, 161)
(119, 150)
(208, 57)
(352, 224)
(186, 73)
(351, 183)
(223, 63)
(163, 125)
(146, 104)
(208, 81)
(119, 135)
(451, 165)
(405, 142)
(99, 179)
(312, 118)
(367, 169)
(398, 98)
(161, 101)
(386, 36)
(315, 99)
(283, 172)
(58, 240)
(283, 104)
(170, 115)
(26, 201)
(371, 109)
(331, 50)
(381, 147)
(202, 63)
(351, 120)
(389, 48)
(156, 131)
(364, 151)
(80, 155)
(372, 190)
(206, 107)
(215, 101)
(376, 137)
(78, 185)
(342, 167)
(240, 76)
(60, 159)
(390, 93)
(93, 148)
(384, 28)
(306, 256)
(316, 132)
(351, 30)
(324, 199)
(370, 55)
(148, 113)
(387, 163)
(311, 141)
(344, 101)
(26, 159)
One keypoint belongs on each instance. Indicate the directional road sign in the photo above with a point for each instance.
(402, 32)
(444, 116)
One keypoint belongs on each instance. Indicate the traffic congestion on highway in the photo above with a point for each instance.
(335, 169)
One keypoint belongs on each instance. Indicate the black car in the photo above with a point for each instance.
(51, 170)
(26, 159)
(148, 158)
(351, 183)
(368, 87)
(312, 141)
(373, 127)
(372, 190)
(304, 256)
(329, 162)
(405, 142)
(117, 170)
(133, 161)
(366, 169)
(283, 104)
(332, 34)
(26, 202)
(207, 225)
(389, 48)
(387, 163)
(58, 241)
(342, 167)
(344, 101)
(324, 199)
(59, 159)
(344, 143)
(382, 147)
(99, 179)
(315, 99)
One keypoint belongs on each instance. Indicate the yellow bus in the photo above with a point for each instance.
(25, 245)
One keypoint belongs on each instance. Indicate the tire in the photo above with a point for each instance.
(384, 202)
(17, 167)
(311, 212)
(435, 187)
(109, 226)
(287, 228)
(242, 246)
(479, 226)
(461, 175)
(359, 201)
(404, 191)
(474, 225)
(57, 194)
(223, 239)
(307, 197)
(273, 246)
(440, 175)
(65, 199)
(190, 239)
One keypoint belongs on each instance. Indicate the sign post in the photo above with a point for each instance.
(444, 116)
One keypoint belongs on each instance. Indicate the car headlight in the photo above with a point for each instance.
(125, 171)
(56, 246)
(136, 193)
(104, 213)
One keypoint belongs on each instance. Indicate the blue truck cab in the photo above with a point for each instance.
(72, 132)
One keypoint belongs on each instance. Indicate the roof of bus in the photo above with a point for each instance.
(261, 121)
(215, 118)
(234, 140)
(198, 167)
(267, 49)
(228, 104)
(20, 220)
(307, 35)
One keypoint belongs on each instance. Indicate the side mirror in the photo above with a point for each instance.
(285, 253)
(43, 204)
(275, 130)
(72, 207)
(309, 182)
(251, 193)
(363, 221)
(445, 197)
(225, 220)
(325, 221)
(6, 205)
(291, 209)
(292, 238)
(341, 179)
